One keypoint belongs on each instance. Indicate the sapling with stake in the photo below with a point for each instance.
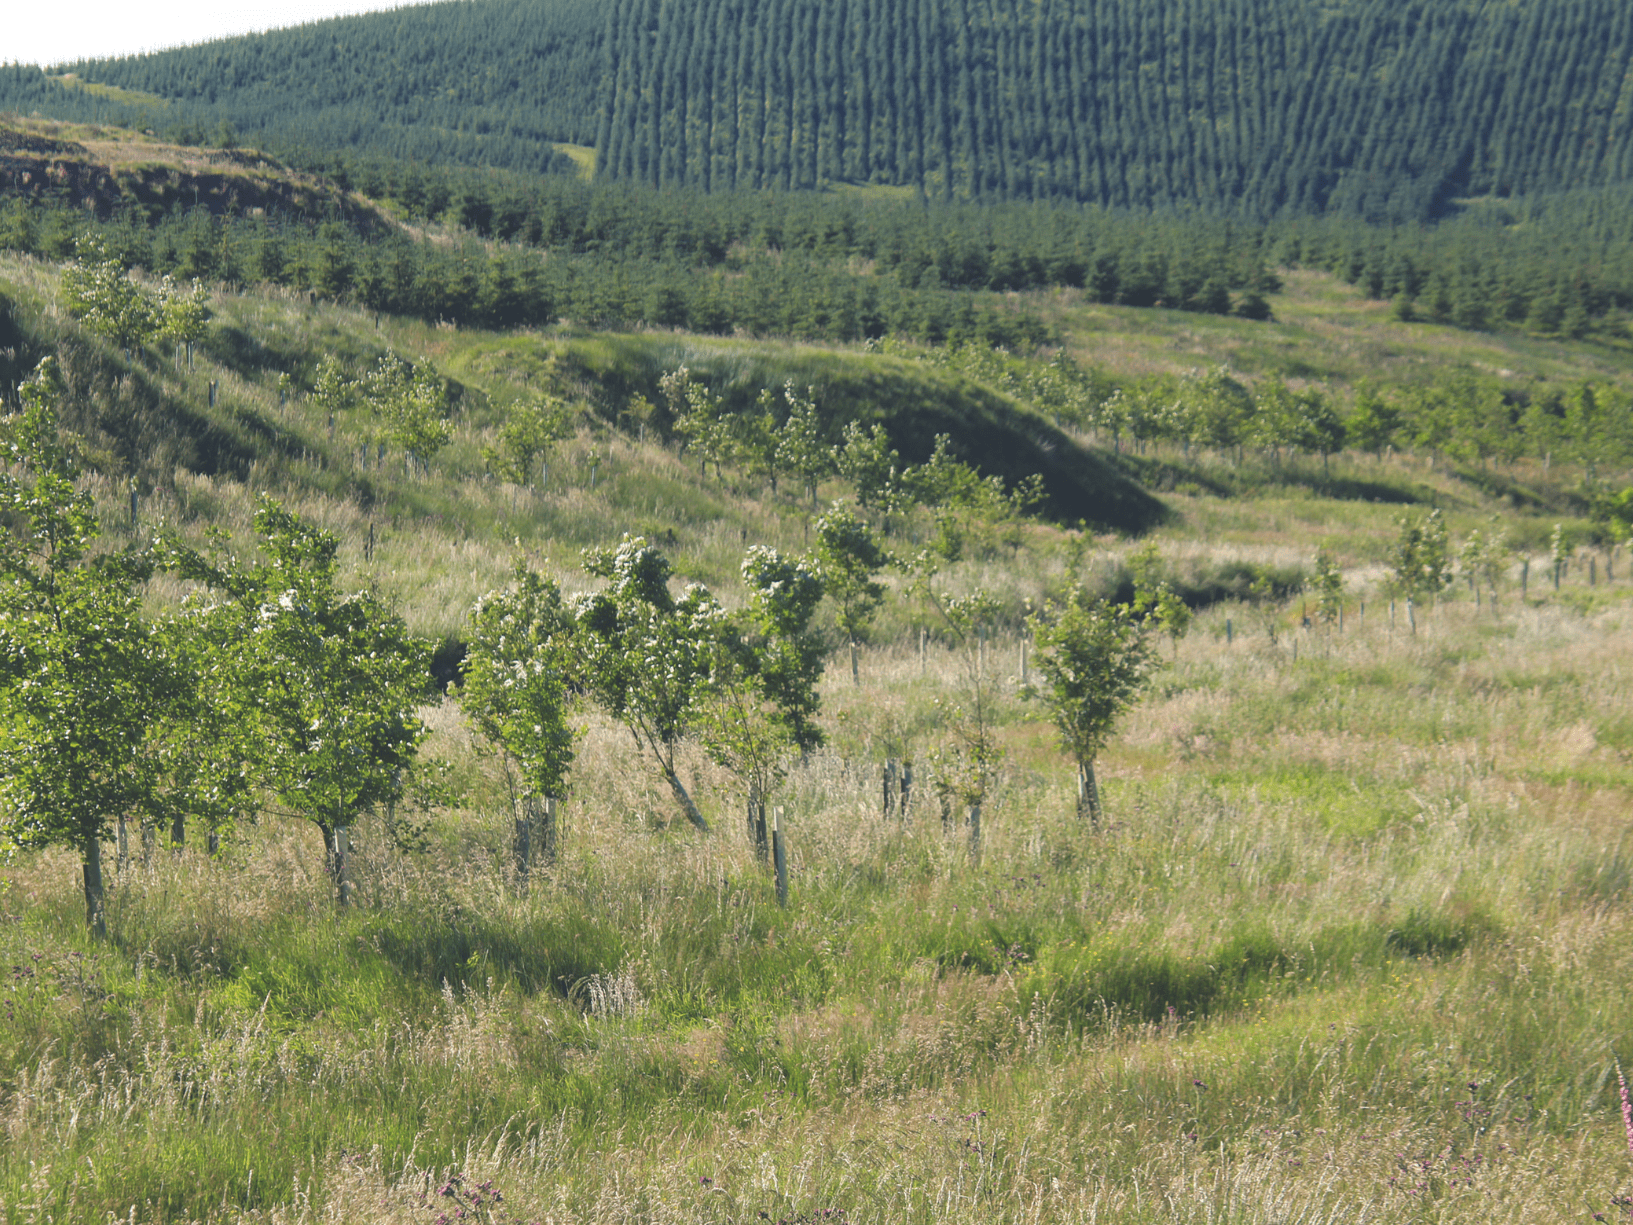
(849, 558)
(760, 705)
(1095, 658)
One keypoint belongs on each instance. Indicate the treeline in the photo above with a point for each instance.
(471, 283)
(1559, 264)
(834, 265)
(1553, 264)
(1262, 108)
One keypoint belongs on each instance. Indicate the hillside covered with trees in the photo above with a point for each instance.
(1371, 108)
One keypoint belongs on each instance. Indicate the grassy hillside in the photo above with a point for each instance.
(1350, 943)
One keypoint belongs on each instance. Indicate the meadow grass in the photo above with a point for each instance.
(1351, 944)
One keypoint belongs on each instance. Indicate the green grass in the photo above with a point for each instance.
(1352, 941)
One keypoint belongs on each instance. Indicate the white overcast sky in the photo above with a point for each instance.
(58, 31)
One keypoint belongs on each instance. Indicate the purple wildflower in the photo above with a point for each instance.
(1627, 1108)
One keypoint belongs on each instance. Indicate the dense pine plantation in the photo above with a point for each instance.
(1371, 108)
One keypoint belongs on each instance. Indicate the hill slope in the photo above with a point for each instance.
(1369, 107)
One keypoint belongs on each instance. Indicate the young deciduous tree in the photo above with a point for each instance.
(1420, 560)
(1483, 558)
(412, 406)
(696, 416)
(761, 702)
(531, 429)
(646, 656)
(849, 558)
(968, 766)
(800, 449)
(866, 459)
(101, 295)
(83, 679)
(325, 683)
(1329, 587)
(1095, 658)
(519, 662)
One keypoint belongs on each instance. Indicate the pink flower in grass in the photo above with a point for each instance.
(1627, 1108)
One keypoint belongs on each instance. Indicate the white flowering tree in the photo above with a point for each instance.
(324, 683)
(516, 693)
(646, 656)
(101, 295)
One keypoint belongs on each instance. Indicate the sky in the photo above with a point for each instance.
(58, 31)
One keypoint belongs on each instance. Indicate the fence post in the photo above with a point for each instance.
(907, 786)
(212, 392)
(779, 856)
(1230, 632)
(889, 786)
(1412, 616)
(924, 650)
(178, 834)
(1525, 576)
(123, 844)
(975, 834)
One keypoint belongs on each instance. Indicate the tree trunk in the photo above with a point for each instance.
(340, 853)
(95, 917)
(678, 789)
(1088, 793)
(756, 824)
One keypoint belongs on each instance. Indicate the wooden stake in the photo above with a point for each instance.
(779, 857)
(975, 834)
(549, 831)
(522, 849)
